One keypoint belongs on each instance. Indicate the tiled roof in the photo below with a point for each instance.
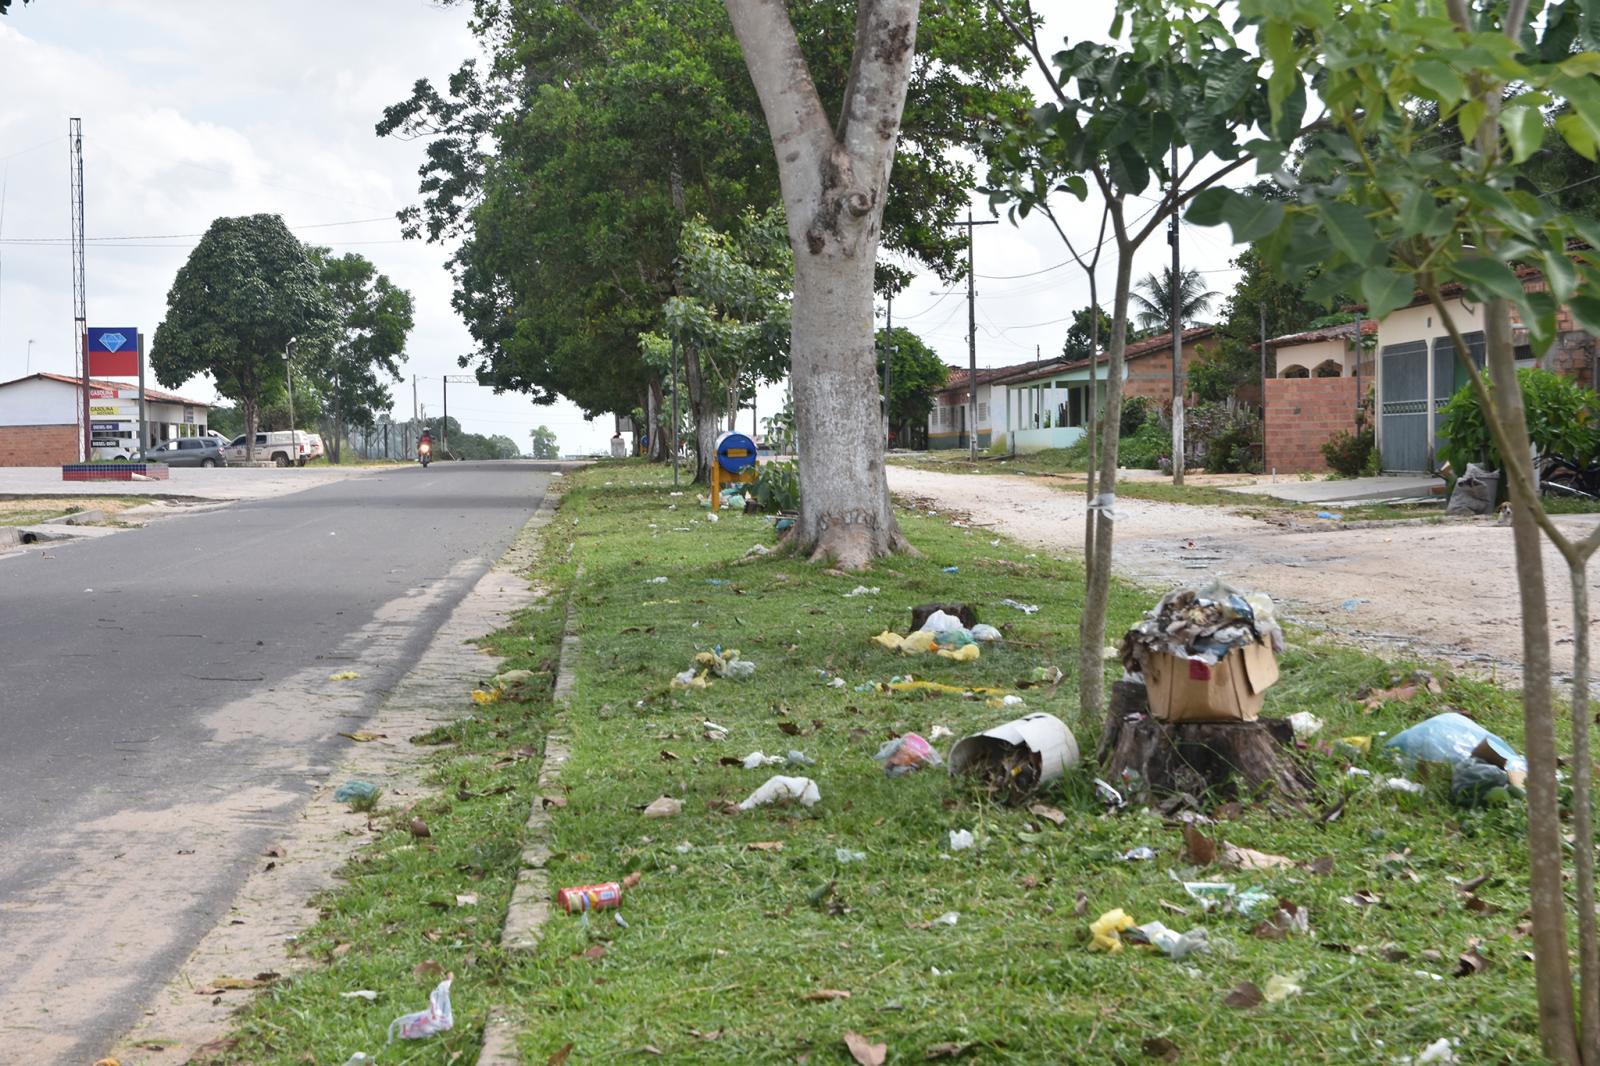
(155, 395)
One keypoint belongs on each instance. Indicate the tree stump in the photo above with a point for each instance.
(1198, 758)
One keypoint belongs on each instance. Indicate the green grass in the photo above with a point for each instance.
(726, 940)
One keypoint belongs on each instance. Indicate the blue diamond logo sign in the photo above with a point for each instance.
(113, 341)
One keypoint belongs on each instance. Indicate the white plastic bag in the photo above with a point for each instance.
(436, 1019)
(986, 634)
(783, 788)
(939, 622)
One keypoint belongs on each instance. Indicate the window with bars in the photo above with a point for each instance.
(983, 413)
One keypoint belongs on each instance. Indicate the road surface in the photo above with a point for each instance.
(166, 705)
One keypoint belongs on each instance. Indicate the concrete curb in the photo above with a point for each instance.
(529, 908)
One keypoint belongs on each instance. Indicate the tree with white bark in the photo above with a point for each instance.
(835, 181)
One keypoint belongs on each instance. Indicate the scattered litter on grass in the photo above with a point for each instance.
(713, 518)
(986, 634)
(1350, 605)
(656, 581)
(1438, 1053)
(1401, 784)
(1419, 681)
(1454, 738)
(861, 590)
(1243, 996)
(800, 758)
(1209, 894)
(757, 550)
(690, 679)
(1202, 625)
(1106, 931)
(939, 732)
(907, 753)
(1025, 608)
(1108, 795)
(664, 807)
(960, 839)
(1054, 815)
(356, 791)
(755, 760)
(1170, 942)
(344, 675)
(1250, 859)
(713, 731)
(1331, 516)
(1139, 854)
(845, 855)
(781, 789)
(435, 1019)
(1018, 756)
(1280, 987)
(952, 569)
(1305, 724)
(484, 697)
(361, 993)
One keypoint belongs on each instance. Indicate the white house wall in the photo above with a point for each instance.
(39, 402)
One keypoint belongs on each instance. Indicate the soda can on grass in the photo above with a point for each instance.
(590, 897)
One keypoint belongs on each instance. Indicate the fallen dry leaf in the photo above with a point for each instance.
(1080, 904)
(235, 984)
(1363, 898)
(764, 845)
(594, 953)
(557, 802)
(427, 969)
(824, 995)
(1244, 996)
(340, 950)
(1159, 1047)
(715, 1034)
(1478, 905)
(864, 1051)
(361, 736)
(632, 879)
(1251, 859)
(467, 899)
(1053, 815)
(419, 828)
(789, 729)
(344, 675)
(1322, 867)
(668, 756)
(559, 1058)
(1198, 849)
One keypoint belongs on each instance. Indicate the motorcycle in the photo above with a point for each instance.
(424, 453)
(1560, 475)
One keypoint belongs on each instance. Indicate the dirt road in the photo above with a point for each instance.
(1436, 590)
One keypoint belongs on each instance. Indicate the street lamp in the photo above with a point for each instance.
(30, 356)
(288, 362)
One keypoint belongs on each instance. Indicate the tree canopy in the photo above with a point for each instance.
(1152, 299)
(545, 445)
(917, 373)
(248, 288)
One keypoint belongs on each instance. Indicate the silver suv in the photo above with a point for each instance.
(188, 451)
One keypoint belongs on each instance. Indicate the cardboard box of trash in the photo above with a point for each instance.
(1189, 690)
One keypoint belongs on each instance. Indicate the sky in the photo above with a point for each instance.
(194, 109)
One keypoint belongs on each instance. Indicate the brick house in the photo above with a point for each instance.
(41, 419)
(1314, 394)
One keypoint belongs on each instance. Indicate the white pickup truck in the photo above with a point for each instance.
(281, 447)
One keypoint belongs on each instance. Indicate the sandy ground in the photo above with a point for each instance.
(1435, 590)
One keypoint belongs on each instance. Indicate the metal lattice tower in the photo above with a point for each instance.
(80, 300)
(80, 313)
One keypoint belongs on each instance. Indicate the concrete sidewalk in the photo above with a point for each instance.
(218, 483)
(1344, 490)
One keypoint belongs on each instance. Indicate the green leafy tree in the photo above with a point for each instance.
(247, 290)
(916, 374)
(1088, 325)
(1152, 300)
(569, 164)
(372, 319)
(1114, 116)
(1387, 200)
(545, 445)
(730, 321)
(5, 6)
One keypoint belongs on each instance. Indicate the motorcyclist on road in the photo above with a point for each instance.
(425, 445)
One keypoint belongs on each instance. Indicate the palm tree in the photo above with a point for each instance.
(1153, 302)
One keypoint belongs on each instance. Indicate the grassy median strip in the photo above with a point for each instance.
(760, 937)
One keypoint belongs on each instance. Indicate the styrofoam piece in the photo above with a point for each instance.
(1038, 732)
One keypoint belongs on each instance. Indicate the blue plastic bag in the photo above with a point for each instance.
(1450, 738)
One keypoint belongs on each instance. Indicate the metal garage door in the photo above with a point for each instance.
(1405, 408)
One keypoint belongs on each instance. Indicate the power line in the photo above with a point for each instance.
(184, 236)
(35, 148)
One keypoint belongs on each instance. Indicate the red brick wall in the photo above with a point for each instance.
(1150, 375)
(1303, 413)
(38, 445)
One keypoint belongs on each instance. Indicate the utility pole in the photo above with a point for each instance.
(1176, 295)
(889, 348)
(444, 426)
(972, 338)
(294, 434)
(80, 312)
(674, 412)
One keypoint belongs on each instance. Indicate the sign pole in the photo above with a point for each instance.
(88, 445)
(144, 433)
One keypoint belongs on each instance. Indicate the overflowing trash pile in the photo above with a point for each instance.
(1202, 625)
(949, 636)
(720, 662)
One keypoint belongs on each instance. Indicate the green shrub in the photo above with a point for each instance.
(1226, 433)
(1145, 448)
(1136, 411)
(1561, 420)
(1350, 454)
(777, 487)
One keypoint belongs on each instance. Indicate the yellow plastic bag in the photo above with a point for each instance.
(918, 643)
(1105, 930)
(965, 654)
(890, 640)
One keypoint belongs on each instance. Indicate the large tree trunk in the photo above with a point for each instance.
(252, 418)
(836, 411)
(1097, 559)
(835, 180)
(703, 410)
(660, 431)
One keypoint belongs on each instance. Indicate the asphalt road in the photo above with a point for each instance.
(166, 705)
